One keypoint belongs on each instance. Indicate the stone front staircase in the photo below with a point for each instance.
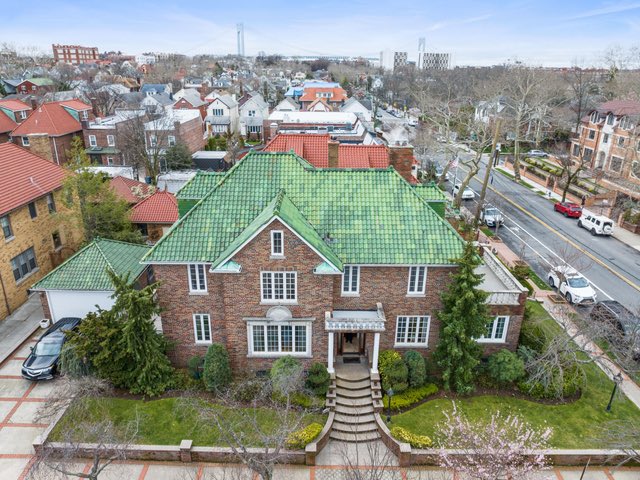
(355, 398)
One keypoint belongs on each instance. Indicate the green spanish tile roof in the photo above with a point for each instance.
(201, 184)
(430, 192)
(87, 269)
(371, 216)
(41, 81)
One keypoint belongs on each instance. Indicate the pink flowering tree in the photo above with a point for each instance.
(502, 448)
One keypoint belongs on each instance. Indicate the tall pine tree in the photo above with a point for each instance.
(463, 318)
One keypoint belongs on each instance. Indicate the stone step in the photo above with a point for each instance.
(330, 403)
(349, 385)
(377, 405)
(362, 393)
(354, 427)
(359, 418)
(354, 402)
(376, 395)
(352, 377)
(353, 412)
(354, 438)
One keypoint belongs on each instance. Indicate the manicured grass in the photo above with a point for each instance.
(165, 422)
(541, 284)
(489, 232)
(574, 424)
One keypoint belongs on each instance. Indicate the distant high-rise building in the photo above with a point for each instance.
(74, 54)
(240, 39)
(432, 60)
(393, 60)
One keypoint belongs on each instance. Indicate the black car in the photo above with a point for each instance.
(619, 316)
(42, 362)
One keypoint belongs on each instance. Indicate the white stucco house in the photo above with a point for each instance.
(222, 115)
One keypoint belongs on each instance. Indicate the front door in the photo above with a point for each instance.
(351, 343)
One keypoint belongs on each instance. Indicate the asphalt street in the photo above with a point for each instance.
(545, 238)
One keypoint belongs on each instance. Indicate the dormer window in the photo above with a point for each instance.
(610, 119)
(277, 243)
(594, 117)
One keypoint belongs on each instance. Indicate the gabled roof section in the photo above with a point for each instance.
(201, 184)
(283, 209)
(51, 118)
(25, 177)
(14, 105)
(161, 207)
(7, 124)
(87, 269)
(367, 216)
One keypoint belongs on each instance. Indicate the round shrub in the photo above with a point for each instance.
(395, 377)
(417, 369)
(299, 439)
(195, 366)
(217, 370)
(505, 367)
(386, 360)
(318, 379)
(286, 375)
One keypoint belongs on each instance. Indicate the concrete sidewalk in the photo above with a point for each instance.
(19, 326)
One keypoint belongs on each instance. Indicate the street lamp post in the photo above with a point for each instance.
(617, 380)
(389, 395)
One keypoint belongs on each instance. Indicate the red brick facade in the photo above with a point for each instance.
(231, 298)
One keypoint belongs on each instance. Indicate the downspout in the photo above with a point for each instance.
(55, 149)
(4, 295)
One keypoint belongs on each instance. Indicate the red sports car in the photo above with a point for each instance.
(568, 209)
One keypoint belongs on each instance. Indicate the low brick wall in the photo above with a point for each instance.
(401, 450)
(314, 448)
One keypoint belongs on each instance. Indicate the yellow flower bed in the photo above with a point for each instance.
(416, 441)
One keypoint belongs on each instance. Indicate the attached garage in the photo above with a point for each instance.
(81, 284)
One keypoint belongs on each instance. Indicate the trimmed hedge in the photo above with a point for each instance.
(300, 438)
(409, 397)
(417, 369)
(416, 441)
(318, 379)
(217, 369)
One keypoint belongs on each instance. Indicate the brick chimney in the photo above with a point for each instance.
(273, 130)
(401, 158)
(333, 149)
(40, 144)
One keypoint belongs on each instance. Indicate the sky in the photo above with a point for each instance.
(475, 32)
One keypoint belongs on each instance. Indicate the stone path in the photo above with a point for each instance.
(20, 325)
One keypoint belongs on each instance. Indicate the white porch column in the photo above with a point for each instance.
(330, 354)
(376, 348)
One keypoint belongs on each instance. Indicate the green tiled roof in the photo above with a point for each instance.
(430, 192)
(201, 184)
(87, 269)
(371, 216)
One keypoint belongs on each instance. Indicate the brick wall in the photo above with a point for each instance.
(191, 134)
(401, 158)
(36, 233)
(101, 141)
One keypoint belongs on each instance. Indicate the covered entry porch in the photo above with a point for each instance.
(348, 331)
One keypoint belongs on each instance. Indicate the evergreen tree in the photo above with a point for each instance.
(178, 157)
(463, 318)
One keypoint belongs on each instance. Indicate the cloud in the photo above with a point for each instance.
(597, 12)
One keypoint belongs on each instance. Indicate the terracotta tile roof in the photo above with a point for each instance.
(309, 95)
(161, 207)
(51, 118)
(620, 107)
(6, 123)
(363, 156)
(124, 188)
(25, 177)
(14, 105)
(75, 104)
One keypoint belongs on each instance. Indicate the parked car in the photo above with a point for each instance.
(42, 362)
(596, 224)
(491, 216)
(568, 209)
(536, 153)
(412, 123)
(467, 193)
(619, 316)
(574, 286)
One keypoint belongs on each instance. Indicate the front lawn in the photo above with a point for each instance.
(574, 424)
(163, 422)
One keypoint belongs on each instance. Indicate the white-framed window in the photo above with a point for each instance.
(412, 330)
(171, 140)
(24, 264)
(7, 231)
(279, 287)
(85, 115)
(23, 114)
(202, 327)
(197, 278)
(576, 150)
(351, 280)
(417, 280)
(605, 138)
(610, 119)
(592, 134)
(277, 243)
(109, 161)
(279, 338)
(51, 203)
(616, 164)
(217, 112)
(496, 330)
(153, 140)
(92, 141)
(251, 113)
(111, 141)
(25, 141)
(620, 141)
(254, 129)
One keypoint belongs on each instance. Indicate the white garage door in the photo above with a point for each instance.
(77, 304)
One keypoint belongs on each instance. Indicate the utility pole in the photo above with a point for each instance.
(487, 173)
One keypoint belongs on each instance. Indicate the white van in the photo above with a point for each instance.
(596, 224)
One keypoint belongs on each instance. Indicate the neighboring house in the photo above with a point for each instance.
(175, 126)
(103, 137)
(12, 114)
(130, 190)
(609, 142)
(158, 104)
(334, 96)
(155, 215)
(253, 111)
(323, 152)
(34, 236)
(189, 99)
(278, 259)
(345, 126)
(212, 160)
(82, 285)
(10, 85)
(35, 86)
(49, 130)
(319, 105)
(156, 88)
(486, 111)
(287, 105)
(222, 116)
(355, 106)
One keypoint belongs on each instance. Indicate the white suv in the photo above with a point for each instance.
(467, 193)
(596, 224)
(572, 285)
